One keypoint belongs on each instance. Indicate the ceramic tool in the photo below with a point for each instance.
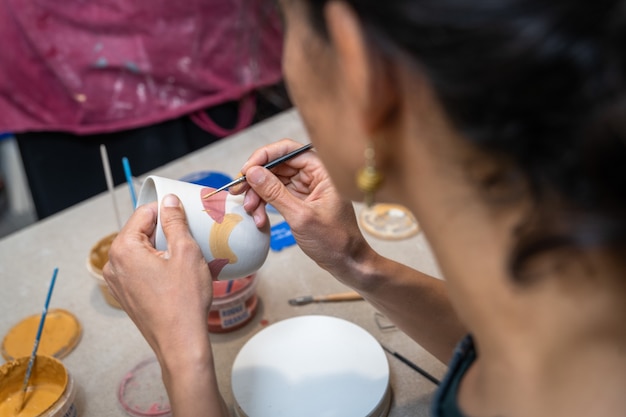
(269, 165)
(109, 180)
(343, 296)
(31, 361)
(129, 180)
(412, 365)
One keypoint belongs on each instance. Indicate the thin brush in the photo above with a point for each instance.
(343, 296)
(109, 179)
(31, 361)
(269, 165)
(412, 365)
(129, 180)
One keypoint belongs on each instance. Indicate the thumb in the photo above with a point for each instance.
(174, 224)
(270, 189)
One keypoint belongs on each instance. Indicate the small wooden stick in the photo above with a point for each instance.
(342, 296)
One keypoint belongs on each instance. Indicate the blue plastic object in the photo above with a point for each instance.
(213, 179)
(281, 237)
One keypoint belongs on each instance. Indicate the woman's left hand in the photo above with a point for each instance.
(166, 293)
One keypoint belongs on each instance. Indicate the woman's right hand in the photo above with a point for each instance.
(323, 223)
(325, 227)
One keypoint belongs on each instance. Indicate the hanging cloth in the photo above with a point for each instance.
(88, 67)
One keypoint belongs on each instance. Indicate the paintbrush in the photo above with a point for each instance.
(342, 296)
(109, 179)
(269, 165)
(412, 365)
(31, 361)
(129, 179)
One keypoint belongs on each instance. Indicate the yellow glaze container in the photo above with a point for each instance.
(51, 390)
(98, 257)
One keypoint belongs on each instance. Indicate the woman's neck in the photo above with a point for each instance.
(562, 354)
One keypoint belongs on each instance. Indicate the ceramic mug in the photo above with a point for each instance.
(232, 244)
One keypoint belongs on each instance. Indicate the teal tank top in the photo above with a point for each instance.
(445, 403)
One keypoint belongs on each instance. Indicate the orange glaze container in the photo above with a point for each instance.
(234, 304)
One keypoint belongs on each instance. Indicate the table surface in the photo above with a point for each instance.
(111, 345)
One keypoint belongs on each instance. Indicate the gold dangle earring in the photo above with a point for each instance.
(368, 178)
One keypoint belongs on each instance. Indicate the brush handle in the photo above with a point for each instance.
(129, 180)
(412, 365)
(269, 165)
(342, 296)
(42, 320)
(287, 157)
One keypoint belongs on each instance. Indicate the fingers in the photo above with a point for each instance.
(238, 188)
(143, 220)
(271, 190)
(175, 227)
(254, 205)
(139, 229)
(138, 232)
(264, 155)
(285, 187)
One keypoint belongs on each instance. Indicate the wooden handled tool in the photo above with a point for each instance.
(342, 296)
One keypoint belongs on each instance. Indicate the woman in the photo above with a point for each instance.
(501, 126)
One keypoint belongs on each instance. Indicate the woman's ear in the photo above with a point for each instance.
(366, 75)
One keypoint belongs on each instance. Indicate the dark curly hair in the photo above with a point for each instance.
(539, 83)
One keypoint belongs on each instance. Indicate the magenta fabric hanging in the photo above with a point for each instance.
(97, 66)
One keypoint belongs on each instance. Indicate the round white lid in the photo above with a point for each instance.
(311, 366)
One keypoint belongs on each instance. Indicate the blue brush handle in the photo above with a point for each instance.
(129, 180)
(39, 330)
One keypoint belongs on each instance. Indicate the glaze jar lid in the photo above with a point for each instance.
(388, 221)
(142, 393)
(60, 335)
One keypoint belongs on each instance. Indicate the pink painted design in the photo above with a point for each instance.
(216, 266)
(215, 206)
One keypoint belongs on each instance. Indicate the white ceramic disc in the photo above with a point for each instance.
(311, 366)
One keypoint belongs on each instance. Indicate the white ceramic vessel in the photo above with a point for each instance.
(232, 244)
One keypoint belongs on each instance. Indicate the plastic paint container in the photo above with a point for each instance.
(388, 221)
(234, 304)
(98, 257)
(51, 389)
(311, 366)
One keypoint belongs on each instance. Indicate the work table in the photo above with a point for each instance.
(111, 345)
